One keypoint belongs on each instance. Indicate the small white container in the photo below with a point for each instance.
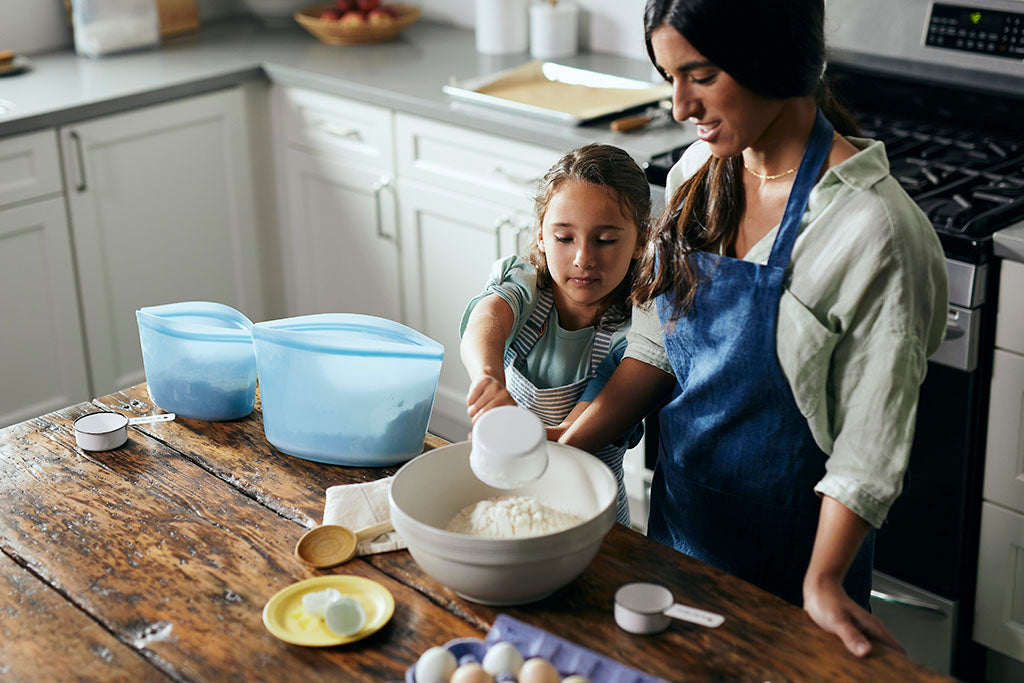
(502, 27)
(509, 448)
(553, 29)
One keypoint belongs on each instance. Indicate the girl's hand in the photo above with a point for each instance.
(485, 393)
(831, 608)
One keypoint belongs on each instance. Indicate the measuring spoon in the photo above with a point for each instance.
(105, 430)
(647, 608)
(332, 544)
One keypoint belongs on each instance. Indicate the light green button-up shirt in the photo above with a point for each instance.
(864, 305)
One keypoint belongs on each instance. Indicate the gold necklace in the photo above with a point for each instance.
(766, 176)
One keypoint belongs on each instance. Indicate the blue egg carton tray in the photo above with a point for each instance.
(566, 656)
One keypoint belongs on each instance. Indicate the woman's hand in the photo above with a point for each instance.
(839, 536)
(485, 393)
(831, 608)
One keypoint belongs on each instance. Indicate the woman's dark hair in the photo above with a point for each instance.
(612, 168)
(774, 48)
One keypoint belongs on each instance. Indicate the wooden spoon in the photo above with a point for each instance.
(331, 544)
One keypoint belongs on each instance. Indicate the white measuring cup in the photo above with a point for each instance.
(646, 608)
(509, 448)
(106, 430)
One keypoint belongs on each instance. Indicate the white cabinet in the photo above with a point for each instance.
(397, 216)
(1004, 457)
(42, 362)
(449, 242)
(999, 611)
(161, 206)
(465, 200)
(338, 220)
(999, 608)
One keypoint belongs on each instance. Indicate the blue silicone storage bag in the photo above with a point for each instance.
(199, 359)
(346, 389)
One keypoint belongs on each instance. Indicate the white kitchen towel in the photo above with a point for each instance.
(358, 506)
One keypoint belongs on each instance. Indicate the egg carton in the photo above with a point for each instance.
(566, 656)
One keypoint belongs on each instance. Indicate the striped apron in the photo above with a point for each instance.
(554, 404)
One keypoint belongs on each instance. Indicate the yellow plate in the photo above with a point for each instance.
(285, 618)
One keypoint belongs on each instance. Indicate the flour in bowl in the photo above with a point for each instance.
(511, 517)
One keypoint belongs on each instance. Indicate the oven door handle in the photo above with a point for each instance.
(907, 601)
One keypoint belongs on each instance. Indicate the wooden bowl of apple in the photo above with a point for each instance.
(345, 22)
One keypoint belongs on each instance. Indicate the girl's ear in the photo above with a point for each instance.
(540, 240)
(639, 251)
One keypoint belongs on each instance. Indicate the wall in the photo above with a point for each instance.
(615, 26)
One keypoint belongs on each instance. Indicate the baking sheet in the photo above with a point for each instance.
(557, 92)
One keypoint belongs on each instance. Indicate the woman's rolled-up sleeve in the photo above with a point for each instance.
(644, 341)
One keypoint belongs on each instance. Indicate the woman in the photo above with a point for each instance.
(787, 304)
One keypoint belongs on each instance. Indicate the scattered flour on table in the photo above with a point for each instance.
(511, 517)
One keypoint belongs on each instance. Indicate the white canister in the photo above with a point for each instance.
(501, 27)
(553, 29)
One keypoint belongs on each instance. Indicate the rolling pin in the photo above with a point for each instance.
(630, 122)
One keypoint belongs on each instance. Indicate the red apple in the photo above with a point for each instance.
(368, 5)
(331, 14)
(344, 6)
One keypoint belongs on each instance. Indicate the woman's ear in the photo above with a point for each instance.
(540, 240)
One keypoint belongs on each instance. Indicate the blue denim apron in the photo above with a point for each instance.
(737, 465)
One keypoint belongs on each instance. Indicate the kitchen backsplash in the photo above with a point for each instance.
(614, 26)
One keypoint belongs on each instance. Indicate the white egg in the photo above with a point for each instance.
(436, 665)
(576, 678)
(502, 657)
(316, 602)
(538, 670)
(345, 616)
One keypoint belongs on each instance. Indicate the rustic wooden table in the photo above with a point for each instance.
(154, 561)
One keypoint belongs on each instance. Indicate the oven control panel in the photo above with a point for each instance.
(985, 31)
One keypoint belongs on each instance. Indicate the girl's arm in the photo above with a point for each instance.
(634, 390)
(483, 352)
(840, 533)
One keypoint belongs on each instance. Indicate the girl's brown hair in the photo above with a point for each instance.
(605, 166)
(703, 214)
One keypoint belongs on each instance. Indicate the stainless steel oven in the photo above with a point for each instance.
(942, 84)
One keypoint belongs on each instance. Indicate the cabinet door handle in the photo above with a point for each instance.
(907, 601)
(524, 226)
(347, 133)
(517, 179)
(80, 185)
(384, 181)
(501, 223)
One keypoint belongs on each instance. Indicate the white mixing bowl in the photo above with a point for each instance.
(430, 489)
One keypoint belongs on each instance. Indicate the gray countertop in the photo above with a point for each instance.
(1009, 242)
(405, 75)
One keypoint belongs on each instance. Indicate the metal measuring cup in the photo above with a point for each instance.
(105, 430)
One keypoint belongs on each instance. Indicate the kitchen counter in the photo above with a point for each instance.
(1009, 242)
(406, 75)
(155, 560)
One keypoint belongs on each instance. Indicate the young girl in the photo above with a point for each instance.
(544, 324)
